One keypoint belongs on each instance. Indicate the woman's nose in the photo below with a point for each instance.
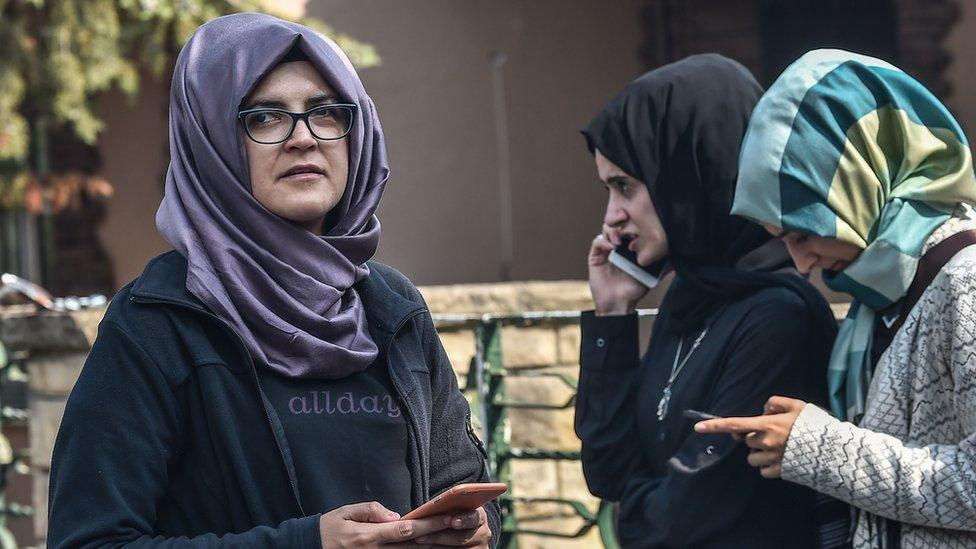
(301, 137)
(802, 258)
(615, 215)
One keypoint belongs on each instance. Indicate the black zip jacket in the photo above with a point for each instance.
(167, 441)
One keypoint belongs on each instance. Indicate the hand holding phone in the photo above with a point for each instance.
(614, 291)
(462, 498)
(625, 260)
(358, 523)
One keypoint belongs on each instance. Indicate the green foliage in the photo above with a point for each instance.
(58, 55)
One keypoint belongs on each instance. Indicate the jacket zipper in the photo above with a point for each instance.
(403, 401)
(250, 361)
(474, 437)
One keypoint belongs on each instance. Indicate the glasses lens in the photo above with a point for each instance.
(329, 122)
(267, 126)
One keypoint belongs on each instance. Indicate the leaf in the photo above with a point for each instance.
(59, 56)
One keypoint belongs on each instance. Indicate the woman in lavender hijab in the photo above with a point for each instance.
(265, 384)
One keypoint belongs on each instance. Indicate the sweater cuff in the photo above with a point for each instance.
(608, 342)
(803, 446)
(308, 531)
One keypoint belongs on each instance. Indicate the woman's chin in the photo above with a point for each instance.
(304, 218)
(303, 212)
(646, 260)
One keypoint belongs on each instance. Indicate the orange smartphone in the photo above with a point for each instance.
(461, 498)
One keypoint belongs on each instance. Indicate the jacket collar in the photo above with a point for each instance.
(164, 279)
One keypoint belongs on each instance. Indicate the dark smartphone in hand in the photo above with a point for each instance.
(624, 259)
(699, 416)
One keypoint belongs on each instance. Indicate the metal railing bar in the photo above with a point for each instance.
(453, 320)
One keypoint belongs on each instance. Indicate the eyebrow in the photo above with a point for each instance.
(322, 98)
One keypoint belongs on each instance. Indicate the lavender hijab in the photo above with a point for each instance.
(287, 292)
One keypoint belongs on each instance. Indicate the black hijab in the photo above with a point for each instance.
(678, 129)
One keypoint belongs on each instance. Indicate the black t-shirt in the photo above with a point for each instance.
(347, 438)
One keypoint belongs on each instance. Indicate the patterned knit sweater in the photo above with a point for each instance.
(913, 458)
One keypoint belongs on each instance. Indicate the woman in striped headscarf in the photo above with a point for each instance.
(863, 172)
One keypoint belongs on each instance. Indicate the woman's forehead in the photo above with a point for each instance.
(606, 167)
(296, 81)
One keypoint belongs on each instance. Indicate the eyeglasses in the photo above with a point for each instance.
(272, 126)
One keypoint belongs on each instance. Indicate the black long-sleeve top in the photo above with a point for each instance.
(678, 488)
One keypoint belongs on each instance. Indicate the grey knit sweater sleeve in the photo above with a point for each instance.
(928, 486)
(913, 459)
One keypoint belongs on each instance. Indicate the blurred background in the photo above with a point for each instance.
(491, 184)
(481, 103)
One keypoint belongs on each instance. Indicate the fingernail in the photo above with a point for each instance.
(457, 523)
(699, 428)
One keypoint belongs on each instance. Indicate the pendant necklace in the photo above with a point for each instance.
(662, 406)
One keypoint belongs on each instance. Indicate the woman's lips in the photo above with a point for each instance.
(302, 177)
(306, 171)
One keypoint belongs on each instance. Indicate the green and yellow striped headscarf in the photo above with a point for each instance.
(850, 147)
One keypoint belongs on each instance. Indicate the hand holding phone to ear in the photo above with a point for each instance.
(614, 291)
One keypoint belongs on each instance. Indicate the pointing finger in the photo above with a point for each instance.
(740, 425)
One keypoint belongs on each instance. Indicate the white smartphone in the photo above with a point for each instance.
(625, 260)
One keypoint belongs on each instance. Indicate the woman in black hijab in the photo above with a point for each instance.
(736, 326)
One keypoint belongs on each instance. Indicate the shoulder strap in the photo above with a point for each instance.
(928, 267)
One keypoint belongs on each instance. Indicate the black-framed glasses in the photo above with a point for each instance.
(271, 126)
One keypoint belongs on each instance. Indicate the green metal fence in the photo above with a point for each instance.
(485, 388)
